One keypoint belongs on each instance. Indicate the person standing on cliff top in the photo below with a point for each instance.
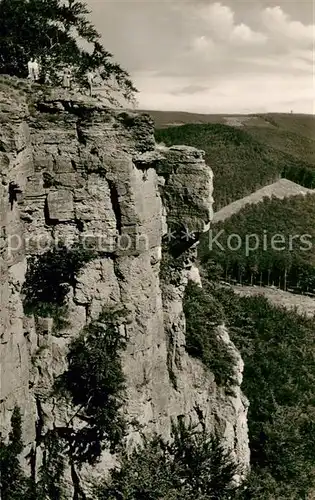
(33, 70)
(67, 78)
(36, 70)
(90, 78)
(30, 66)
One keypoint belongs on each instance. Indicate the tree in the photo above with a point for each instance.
(203, 315)
(13, 484)
(277, 346)
(55, 32)
(95, 384)
(48, 280)
(192, 465)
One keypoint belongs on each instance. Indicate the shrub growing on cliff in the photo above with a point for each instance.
(203, 315)
(192, 465)
(53, 32)
(51, 472)
(48, 280)
(13, 484)
(95, 384)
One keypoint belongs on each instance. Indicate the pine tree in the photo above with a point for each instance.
(13, 484)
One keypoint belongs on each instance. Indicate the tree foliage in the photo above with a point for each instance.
(48, 280)
(289, 263)
(59, 34)
(240, 162)
(203, 315)
(192, 465)
(51, 473)
(13, 483)
(95, 384)
(278, 348)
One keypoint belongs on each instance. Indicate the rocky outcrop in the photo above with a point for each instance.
(73, 170)
(196, 393)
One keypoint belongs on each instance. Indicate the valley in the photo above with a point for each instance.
(264, 192)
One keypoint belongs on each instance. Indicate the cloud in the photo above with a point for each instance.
(211, 55)
(202, 43)
(190, 90)
(219, 21)
(240, 94)
(219, 18)
(244, 34)
(280, 25)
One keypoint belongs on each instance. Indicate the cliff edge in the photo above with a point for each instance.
(72, 171)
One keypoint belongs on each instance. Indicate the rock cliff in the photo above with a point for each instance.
(73, 170)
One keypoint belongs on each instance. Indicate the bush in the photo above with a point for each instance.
(203, 315)
(48, 280)
(95, 384)
(192, 465)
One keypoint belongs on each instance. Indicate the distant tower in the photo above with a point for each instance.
(291, 111)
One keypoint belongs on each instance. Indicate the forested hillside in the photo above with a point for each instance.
(241, 163)
(277, 347)
(283, 188)
(292, 134)
(271, 243)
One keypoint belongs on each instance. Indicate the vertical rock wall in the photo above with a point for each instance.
(73, 170)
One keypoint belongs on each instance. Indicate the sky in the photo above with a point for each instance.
(232, 56)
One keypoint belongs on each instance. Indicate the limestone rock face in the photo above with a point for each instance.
(73, 170)
(196, 394)
(188, 187)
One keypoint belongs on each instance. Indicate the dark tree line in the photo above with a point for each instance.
(303, 175)
(285, 231)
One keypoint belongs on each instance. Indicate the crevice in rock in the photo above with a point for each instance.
(47, 107)
(235, 438)
(200, 416)
(80, 225)
(14, 190)
(87, 313)
(116, 206)
(33, 461)
(170, 358)
(80, 134)
(39, 421)
(119, 276)
(48, 221)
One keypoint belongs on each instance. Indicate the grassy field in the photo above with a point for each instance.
(300, 124)
(302, 304)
